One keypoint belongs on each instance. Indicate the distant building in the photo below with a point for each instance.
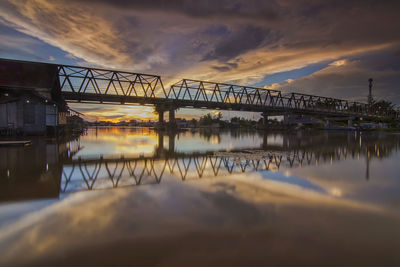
(181, 123)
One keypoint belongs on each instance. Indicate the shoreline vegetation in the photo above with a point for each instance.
(76, 125)
(216, 121)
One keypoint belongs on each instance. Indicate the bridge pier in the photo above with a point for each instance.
(265, 118)
(160, 109)
(172, 121)
(160, 117)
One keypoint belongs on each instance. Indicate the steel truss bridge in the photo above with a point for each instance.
(93, 85)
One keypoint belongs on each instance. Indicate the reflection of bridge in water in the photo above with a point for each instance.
(60, 170)
(100, 173)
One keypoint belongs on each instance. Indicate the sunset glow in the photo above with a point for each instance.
(329, 49)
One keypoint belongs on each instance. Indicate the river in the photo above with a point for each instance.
(134, 196)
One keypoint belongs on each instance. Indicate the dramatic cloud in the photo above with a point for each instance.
(349, 78)
(114, 112)
(228, 41)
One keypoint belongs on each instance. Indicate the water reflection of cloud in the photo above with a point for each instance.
(41, 230)
(293, 180)
(350, 177)
(166, 211)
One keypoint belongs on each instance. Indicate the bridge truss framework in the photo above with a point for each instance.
(83, 84)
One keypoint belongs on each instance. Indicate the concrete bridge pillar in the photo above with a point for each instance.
(161, 117)
(160, 109)
(265, 119)
(172, 121)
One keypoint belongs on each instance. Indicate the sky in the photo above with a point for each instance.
(328, 48)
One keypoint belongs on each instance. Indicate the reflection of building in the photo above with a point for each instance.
(28, 103)
(30, 172)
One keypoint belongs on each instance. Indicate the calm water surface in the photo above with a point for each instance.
(134, 197)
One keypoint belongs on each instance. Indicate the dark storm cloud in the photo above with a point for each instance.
(348, 79)
(226, 67)
(252, 9)
(238, 42)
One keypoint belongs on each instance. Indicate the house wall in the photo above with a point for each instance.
(12, 115)
(34, 118)
(8, 115)
(51, 115)
(30, 118)
(30, 83)
(3, 116)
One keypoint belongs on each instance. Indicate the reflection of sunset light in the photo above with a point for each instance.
(214, 140)
(338, 63)
(114, 113)
(123, 141)
(336, 192)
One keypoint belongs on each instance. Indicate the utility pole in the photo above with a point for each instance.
(370, 80)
